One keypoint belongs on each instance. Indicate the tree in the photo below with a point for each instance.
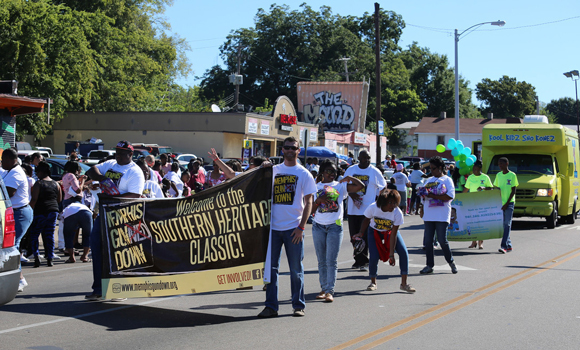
(88, 55)
(564, 110)
(506, 97)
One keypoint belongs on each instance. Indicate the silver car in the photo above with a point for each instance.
(9, 255)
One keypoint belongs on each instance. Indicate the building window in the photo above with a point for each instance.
(440, 140)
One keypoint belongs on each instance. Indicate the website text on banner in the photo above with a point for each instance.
(476, 216)
(214, 240)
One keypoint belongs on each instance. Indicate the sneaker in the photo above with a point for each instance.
(453, 267)
(355, 266)
(267, 313)
(93, 297)
(406, 214)
(501, 250)
(407, 288)
(372, 287)
(364, 269)
(509, 249)
(56, 257)
(31, 256)
(298, 313)
(426, 270)
(321, 295)
(329, 298)
(118, 300)
(21, 285)
(23, 259)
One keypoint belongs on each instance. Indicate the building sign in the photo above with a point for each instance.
(252, 126)
(286, 128)
(381, 127)
(313, 135)
(360, 138)
(288, 119)
(265, 130)
(336, 106)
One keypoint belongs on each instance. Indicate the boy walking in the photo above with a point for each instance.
(507, 182)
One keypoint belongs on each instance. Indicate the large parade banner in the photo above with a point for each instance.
(214, 240)
(476, 216)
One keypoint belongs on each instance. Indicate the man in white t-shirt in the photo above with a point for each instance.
(374, 182)
(129, 180)
(17, 185)
(402, 182)
(292, 193)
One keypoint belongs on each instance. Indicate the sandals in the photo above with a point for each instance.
(69, 261)
(407, 288)
(86, 260)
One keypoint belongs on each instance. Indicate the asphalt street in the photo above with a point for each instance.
(526, 299)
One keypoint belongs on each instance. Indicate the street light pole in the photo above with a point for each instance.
(457, 36)
(575, 75)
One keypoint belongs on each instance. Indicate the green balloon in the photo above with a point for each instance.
(440, 148)
(462, 156)
(457, 159)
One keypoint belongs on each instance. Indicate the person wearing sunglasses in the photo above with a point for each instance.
(292, 192)
(327, 227)
(374, 182)
(437, 213)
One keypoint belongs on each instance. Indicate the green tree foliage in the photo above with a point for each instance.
(103, 55)
(506, 97)
(563, 109)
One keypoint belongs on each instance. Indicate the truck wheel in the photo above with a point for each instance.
(571, 219)
(552, 220)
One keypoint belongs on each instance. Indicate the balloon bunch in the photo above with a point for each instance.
(463, 158)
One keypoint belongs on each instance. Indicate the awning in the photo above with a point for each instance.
(19, 105)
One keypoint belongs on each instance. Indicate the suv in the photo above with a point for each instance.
(95, 156)
(153, 148)
(9, 268)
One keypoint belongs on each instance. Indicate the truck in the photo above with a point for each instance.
(545, 157)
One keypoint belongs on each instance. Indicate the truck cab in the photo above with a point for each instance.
(545, 157)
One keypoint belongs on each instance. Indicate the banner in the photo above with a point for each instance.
(476, 216)
(214, 240)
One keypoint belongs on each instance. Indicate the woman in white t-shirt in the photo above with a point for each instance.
(436, 213)
(416, 178)
(383, 218)
(151, 188)
(327, 227)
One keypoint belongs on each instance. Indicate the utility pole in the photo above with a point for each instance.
(345, 60)
(238, 85)
(378, 78)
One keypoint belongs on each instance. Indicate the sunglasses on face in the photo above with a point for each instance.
(294, 148)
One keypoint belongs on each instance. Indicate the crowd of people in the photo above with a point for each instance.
(325, 193)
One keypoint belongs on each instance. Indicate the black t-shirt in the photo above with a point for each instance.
(47, 198)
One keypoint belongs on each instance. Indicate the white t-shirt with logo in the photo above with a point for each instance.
(152, 190)
(330, 213)
(416, 177)
(290, 185)
(384, 220)
(401, 181)
(128, 178)
(16, 178)
(435, 209)
(174, 177)
(374, 182)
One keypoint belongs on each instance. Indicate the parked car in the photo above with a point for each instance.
(140, 153)
(57, 168)
(96, 155)
(153, 148)
(412, 159)
(184, 158)
(45, 149)
(10, 266)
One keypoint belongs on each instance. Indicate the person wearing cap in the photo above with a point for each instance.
(129, 180)
(402, 182)
(387, 162)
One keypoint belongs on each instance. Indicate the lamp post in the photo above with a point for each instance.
(457, 36)
(574, 75)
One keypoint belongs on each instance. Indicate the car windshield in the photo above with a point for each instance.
(165, 150)
(186, 158)
(525, 164)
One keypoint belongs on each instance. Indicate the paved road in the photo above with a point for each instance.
(526, 299)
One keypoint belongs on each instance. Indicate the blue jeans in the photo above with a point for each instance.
(506, 242)
(327, 241)
(439, 228)
(400, 248)
(44, 225)
(22, 220)
(295, 254)
(84, 220)
(97, 255)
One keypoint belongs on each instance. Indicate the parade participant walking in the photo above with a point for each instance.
(293, 189)
(327, 227)
(402, 182)
(416, 178)
(72, 183)
(150, 161)
(176, 185)
(151, 188)
(477, 181)
(382, 221)
(437, 213)
(46, 196)
(129, 182)
(17, 186)
(507, 182)
(358, 202)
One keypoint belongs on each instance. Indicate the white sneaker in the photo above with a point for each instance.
(56, 257)
(31, 256)
(21, 285)
(23, 259)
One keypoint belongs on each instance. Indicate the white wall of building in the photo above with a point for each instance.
(429, 141)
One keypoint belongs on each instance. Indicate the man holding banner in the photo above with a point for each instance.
(293, 189)
(126, 180)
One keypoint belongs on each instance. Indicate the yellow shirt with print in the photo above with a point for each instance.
(505, 182)
(475, 182)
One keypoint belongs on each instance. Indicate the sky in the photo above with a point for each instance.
(537, 45)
